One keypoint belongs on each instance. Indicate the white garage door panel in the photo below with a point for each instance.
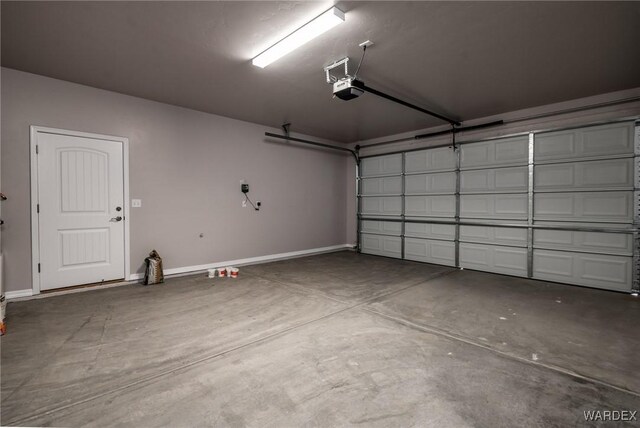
(444, 182)
(425, 250)
(494, 180)
(381, 186)
(379, 245)
(494, 206)
(430, 206)
(595, 270)
(583, 177)
(615, 207)
(435, 231)
(584, 241)
(431, 160)
(382, 227)
(605, 140)
(494, 235)
(507, 151)
(599, 225)
(381, 165)
(490, 258)
(381, 205)
(615, 173)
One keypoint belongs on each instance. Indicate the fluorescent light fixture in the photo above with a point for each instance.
(302, 35)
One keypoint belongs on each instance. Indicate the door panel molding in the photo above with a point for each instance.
(35, 132)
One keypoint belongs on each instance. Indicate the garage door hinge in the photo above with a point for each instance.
(38, 267)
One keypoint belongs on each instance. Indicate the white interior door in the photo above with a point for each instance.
(80, 210)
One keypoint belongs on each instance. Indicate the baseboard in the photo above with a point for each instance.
(10, 295)
(248, 261)
(28, 293)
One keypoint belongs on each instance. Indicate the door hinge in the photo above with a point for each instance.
(38, 208)
(36, 149)
(38, 267)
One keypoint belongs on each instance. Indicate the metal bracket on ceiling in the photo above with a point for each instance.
(285, 128)
(453, 136)
(332, 79)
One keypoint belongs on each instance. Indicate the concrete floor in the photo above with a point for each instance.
(330, 340)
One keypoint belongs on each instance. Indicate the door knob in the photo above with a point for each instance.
(118, 208)
(116, 219)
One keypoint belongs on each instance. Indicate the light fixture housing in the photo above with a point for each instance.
(302, 35)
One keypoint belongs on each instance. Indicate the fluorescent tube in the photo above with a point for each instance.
(302, 35)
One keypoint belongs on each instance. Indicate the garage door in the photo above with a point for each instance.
(556, 206)
(381, 197)
(494, 189)
(430, 206)
(585, 178)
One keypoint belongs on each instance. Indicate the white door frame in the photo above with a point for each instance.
(35, 230)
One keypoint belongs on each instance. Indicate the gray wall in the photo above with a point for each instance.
(186, 166)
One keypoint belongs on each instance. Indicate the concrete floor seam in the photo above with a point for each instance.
(298, 288)
(373, 297)
(150, 378)
(36, 372)
(305, 290)
(185, 366)
(156, 376)
(442, 333)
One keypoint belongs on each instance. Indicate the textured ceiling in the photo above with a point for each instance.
(464, 59)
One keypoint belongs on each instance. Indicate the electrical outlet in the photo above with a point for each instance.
(136, 203)
(244, 204)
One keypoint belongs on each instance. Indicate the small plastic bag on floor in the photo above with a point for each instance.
(153, 273)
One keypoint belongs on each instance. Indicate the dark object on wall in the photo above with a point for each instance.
(153, 273)
(2, 198)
